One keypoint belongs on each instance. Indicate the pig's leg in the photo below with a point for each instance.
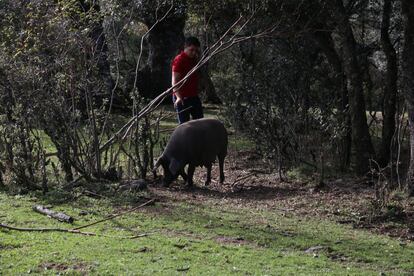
(190, 173)
(183, 175)
(221, 166)
(208, 180)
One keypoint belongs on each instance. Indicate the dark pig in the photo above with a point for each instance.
(196, 143)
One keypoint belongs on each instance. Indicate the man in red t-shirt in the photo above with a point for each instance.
(185, 96)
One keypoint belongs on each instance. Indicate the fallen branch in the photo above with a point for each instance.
(2, 225)
(139, 236)
(76, 230)
(89, 193)
(52, 214)
(72, 231)
(243, 178)
(71, 185)
(116, 215)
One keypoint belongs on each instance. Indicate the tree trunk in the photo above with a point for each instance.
(408, 80)
(325, 42)
(164, 42)
(391, 88)
(207, 87)
(64, 158)
(97, 35)
(360, 133)
(101, 48)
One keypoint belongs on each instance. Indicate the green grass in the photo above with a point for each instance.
(206, 238)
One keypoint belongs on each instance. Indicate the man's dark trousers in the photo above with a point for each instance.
(191, 106)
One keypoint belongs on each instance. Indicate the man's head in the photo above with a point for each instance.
(192, 46)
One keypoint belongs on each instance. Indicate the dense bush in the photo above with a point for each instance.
(54, 87)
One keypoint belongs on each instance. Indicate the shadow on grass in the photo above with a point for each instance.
(255, 193)
(97, 190)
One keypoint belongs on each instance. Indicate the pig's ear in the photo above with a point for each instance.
(175, 166)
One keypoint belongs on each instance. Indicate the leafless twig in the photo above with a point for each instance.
(71, 231)
(116, 215)
(243, 178)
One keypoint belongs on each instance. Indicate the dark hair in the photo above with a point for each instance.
(192, 41)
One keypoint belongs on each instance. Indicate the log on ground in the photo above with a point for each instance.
(50, 213)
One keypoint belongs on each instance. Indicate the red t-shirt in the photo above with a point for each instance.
(183, 64)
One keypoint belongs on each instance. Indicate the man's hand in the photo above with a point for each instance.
(178, 101)
(176, 77)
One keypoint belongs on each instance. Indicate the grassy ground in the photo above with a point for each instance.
(208, 237)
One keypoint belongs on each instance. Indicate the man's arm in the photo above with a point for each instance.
(176, 77)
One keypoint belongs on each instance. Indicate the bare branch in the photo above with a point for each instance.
(116, 215)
